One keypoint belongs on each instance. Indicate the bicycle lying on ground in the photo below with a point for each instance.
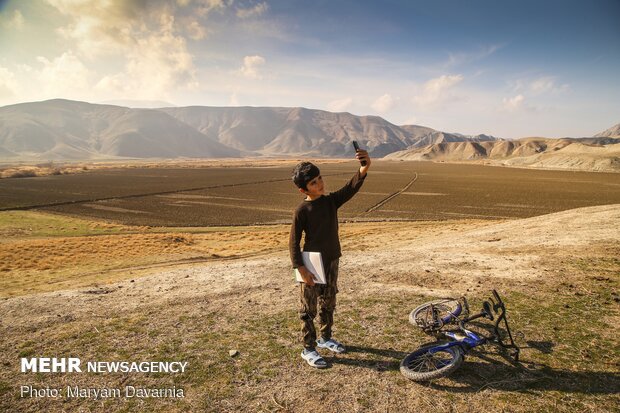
(441, 358)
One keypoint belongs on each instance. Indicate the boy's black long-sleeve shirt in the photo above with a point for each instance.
(318, 219)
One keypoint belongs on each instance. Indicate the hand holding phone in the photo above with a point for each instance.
(357, 148)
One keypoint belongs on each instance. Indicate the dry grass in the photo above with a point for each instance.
(38, 265)
(567, 364)
(65, 168)
(20, 225)
(42, 170)
(566, 307)
(37, 256)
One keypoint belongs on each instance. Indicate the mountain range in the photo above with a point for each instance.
(61, 129)
(70, 130)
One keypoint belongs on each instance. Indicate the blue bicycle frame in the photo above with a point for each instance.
(467, 339)
(467, 342)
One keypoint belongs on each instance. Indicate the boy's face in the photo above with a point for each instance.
(315, 187)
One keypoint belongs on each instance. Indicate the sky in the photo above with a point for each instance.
(506, 68)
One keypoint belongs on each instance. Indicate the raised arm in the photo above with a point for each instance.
(346, 192)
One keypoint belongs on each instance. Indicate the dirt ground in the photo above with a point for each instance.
(559, 274)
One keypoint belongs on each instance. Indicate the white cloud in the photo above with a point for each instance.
(155, 66)
(195, 30)
(15, 22)
(251, 67)
(459, 58)
(205, 7)
(538, 86)
(64, 74)
(112, 27)
(436, 91)
(257, 10)
(340, 105)
(546, 85)
(514, 103)
(542, 85)
(234, 99)
(518, 103)
(145, 35)
(8, 85)
(384, 103)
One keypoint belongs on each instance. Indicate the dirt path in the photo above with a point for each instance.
(392, 196)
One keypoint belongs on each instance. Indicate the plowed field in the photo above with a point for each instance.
(265, 195)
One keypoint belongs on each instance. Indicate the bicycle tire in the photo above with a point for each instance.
(424, 366)
(447, 308)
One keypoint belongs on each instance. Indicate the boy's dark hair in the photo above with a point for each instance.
(304, 173)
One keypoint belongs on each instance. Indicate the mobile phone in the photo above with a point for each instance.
(357, 148)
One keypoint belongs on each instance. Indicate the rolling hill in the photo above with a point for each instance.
(68, 130)
(598, 154)
(613, 132)
(294, 131)
(61, 129)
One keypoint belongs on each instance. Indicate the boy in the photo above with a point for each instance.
(317, 217)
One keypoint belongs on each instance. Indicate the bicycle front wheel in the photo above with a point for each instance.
(424, 365)
(435, 314)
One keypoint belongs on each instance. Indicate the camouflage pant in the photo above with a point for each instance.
(322, 296)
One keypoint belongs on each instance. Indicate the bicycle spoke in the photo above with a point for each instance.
(430, 362)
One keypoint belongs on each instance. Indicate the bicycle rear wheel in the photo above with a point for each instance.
(422, 365)
(435, 314)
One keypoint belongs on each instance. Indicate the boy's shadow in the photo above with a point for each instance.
(375, 363)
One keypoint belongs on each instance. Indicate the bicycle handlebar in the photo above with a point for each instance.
(502, 316)
(500, 310)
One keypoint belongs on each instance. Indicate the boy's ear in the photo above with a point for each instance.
(303, 191)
